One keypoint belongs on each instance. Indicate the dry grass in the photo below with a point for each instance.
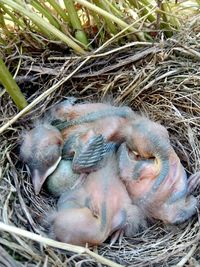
(162, 81)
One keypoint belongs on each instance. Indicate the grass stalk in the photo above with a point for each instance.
(169, 22)
(10, 85)
(99, 26)
(44, 25)
(114, 9)
(141, 6)
(45, 13)
(111, 17)
(80, 35)
(59, 10)
(109, 23)
(2, 41)
(4, 27)
(56, 244)
(167, 11)
(14, 19)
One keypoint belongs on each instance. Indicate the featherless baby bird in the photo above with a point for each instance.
(154, 176)
(158, 177)
(43, 147)
(89, 132)
(100, 207)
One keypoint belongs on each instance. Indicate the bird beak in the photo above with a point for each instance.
(126, 166)
(39, 178)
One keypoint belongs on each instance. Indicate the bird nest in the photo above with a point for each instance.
(159, 80)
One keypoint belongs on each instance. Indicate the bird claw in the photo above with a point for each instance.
(118, 235)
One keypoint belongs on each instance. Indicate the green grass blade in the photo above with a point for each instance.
(76, 23)
(44, 24)
(12, 16)
(45, 13)
(3, 26)
(109, 23)
(111, 17)
(142, 10)
(10, 85)
(114, 8)
(59, 10)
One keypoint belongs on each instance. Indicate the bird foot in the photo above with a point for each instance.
(118, 235)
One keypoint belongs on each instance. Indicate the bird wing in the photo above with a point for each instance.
(92, 154)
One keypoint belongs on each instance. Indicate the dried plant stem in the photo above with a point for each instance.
(191, 51)
(111, 51)
(59, 83)
(56, 244)
(187, 257)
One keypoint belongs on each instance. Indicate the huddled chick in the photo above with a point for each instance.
(156, 180)
(96, 209)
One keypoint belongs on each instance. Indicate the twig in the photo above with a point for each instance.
(187, 257)
(109, 52)
(189, 50)
(56, 244)
(167, 74)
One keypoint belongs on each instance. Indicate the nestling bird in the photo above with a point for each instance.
(153, 175)
(96, 209)
(41, 150)
(66, 113)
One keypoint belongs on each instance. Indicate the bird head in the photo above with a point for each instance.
(41, 151)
